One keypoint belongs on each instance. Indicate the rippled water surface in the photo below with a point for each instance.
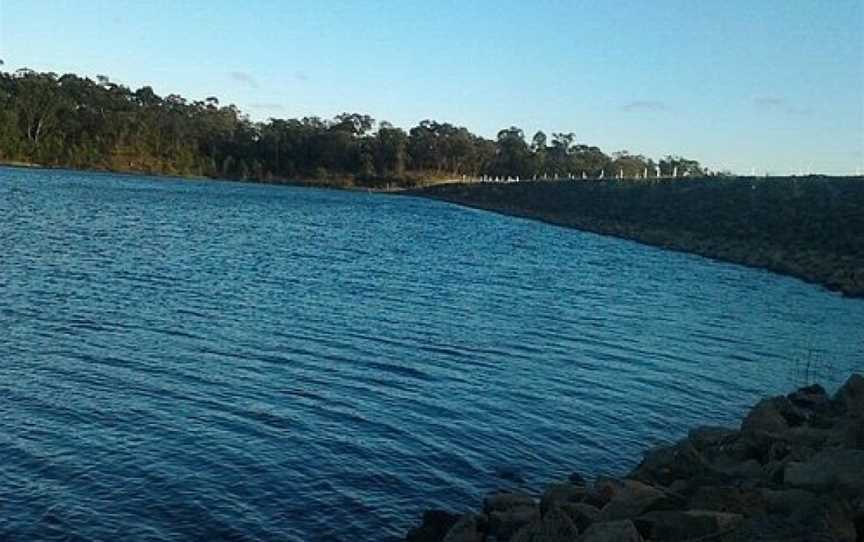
(191, 360)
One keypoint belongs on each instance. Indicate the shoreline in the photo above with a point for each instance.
(335, 183)
(843, 273)
(843, 277)
(793, 470)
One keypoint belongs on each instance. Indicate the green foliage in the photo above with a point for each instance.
(77, 122)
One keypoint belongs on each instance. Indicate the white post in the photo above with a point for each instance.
(675, 171)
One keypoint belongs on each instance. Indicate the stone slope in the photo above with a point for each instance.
(793, 471)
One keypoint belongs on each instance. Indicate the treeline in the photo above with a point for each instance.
(77, 122)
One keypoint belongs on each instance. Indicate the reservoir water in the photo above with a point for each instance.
(202, 360)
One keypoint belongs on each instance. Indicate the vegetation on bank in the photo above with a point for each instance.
(809, 227)
(73, 121)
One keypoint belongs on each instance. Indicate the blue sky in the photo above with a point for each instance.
(771, 85)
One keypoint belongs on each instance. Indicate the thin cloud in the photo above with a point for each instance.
(778, 103)
(643, 105)
(768, 102)
(799, 110)
(245, 78)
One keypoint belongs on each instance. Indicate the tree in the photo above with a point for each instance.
(37, 102)
(672, 164)
(513, 157)
(390, 151)
(80, 122)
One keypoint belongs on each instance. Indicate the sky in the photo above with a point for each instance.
(775, 86)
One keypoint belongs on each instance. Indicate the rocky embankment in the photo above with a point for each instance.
(808, 227)
(793, 471)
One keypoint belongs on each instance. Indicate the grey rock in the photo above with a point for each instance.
(735, 500)
(810, 397)
(686, 525)
(812, 437)
(576, 478)
(434, 528)
(743, 470)
(846, 433)
(829, 470)
(611, 531)
(666, 464)
(504, 523)
(602, 491)
(838, 521)
(850, 396)
(560, 493)
(633, 499)
(765, 417)
(706, 437)
(581, 514)
(504, 500)
(555, 526)
(467, 529)
(786, 501)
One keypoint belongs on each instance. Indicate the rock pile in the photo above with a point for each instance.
(794, 471)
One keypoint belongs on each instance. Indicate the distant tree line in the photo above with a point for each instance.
(77, 122)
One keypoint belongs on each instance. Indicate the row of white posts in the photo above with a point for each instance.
(619, 175)
(570, 176)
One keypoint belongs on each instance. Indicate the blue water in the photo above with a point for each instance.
(198, 360)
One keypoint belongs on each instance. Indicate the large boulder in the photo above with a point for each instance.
(467, 529)
(848, 432)
(576, 478)
(685, 525)
(812, 437)
(741, 470)
(505, 523)
(838, 520)
(633, 499)
(603, 490)
(582, 514)
(708, 437)
(434, 528)
(504, 500)
(829, 470)
(811, 397)
(664, 465)
(562, 492)
(611, 531)
(765, 417)
(508, 512)
(555, 526)
(787, 501)
(734, 500)
(858, 517)
(850, 396)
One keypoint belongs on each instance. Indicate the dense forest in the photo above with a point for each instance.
(74, 121)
